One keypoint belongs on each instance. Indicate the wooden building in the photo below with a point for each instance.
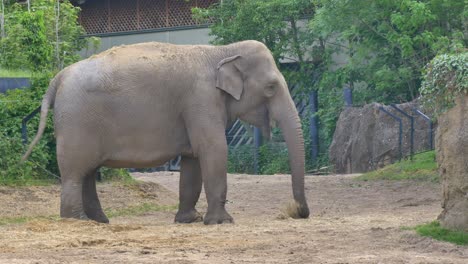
(111, 16)
(119, 22)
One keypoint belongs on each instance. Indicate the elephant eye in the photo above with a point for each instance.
(270, 90)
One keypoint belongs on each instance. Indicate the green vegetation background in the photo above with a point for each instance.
(389, 45)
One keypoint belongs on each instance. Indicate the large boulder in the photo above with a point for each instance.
(366, 138)
(452, 158)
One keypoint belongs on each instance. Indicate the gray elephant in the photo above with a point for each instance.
(142, 105)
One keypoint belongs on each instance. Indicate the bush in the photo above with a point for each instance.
(241, 159)
(446, 78)
(111, 174)
(14, 106)
(29, 45)
(273, 158)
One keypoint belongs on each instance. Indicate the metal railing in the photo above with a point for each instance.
(400, 126)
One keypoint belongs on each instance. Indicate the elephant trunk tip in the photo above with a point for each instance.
(298, 210)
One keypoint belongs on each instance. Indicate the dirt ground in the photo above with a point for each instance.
(351, 222)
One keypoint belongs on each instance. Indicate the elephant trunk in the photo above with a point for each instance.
(283, 111)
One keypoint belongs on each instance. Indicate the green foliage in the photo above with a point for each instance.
(388, 42)
(273, 158)
(446, 79)
(30, 45)
(31, 37)
(40, 167)
(14, 73)
(111, 174)
(437, 232)
(422, 168)
(241, 159)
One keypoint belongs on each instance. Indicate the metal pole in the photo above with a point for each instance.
(411, 129)
(400, 130)
(24, 128)
(2, 21)
(29, 5)
(314, 126)
(348, 96)
(428, 119)
(257, 144)
(57, 46)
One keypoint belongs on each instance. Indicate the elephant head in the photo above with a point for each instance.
(259, 93)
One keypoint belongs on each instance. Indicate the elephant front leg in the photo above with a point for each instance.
(214, 171)
(190, 186)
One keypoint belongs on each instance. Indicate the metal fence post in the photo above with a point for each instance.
(411, 129)
(428, 119)
(257, 144)
(314, 126)
(400, 131)
(348, 96)
(24, 128)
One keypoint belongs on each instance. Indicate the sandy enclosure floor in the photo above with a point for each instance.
(351, 222)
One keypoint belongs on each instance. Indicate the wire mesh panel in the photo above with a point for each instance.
(123, 15)
(152, 14)
(94, 17)
(179, 13)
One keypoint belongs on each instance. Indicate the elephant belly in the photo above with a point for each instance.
(142, 151)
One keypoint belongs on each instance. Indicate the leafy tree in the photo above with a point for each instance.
(46, 38)
(388, 42)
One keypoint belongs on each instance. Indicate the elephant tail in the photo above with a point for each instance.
(47, 102)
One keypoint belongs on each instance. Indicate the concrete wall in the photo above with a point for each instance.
(13, 83)
(179, 36)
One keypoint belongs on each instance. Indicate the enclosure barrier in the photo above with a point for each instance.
(431, 127)
(400, 153)
(411, 128)
(24, 122)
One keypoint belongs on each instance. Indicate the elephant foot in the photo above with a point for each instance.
(100, 218)
(78, 216)
(218, 218)
(188, 217)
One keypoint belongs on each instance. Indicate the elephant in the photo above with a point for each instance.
(141, 105)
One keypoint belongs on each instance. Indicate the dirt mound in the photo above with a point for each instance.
(452, 157)
(366, 138)
(35, 201)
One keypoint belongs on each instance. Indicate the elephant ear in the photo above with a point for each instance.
(229, 77)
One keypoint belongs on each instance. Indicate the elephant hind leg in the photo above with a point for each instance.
(190, 186)
(91, 204)
(76, 165)
(71, 199)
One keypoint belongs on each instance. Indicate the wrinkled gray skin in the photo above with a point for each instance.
(142, 105)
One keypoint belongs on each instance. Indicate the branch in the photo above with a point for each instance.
(296, 44)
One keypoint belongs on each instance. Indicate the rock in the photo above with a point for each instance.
(366, 138)
(452, 158)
